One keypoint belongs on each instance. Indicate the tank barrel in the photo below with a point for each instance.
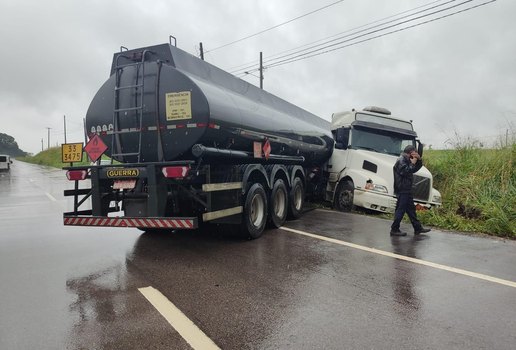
(161, 102)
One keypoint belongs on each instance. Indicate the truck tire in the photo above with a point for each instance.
(255, 211)
(296, 199)
(344, 196)
(278, 204)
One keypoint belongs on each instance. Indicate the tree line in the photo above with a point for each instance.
(9, 146)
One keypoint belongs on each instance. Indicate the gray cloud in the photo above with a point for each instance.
(455, 74)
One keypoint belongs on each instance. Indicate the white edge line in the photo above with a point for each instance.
(406, 258)
(195, 337)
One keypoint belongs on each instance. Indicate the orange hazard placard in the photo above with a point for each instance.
(267, 149)
(95, 148)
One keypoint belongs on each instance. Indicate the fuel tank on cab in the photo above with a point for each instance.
(160, 101)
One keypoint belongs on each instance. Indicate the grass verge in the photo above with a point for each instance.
(478, 188)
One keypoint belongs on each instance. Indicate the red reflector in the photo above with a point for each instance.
(175, 172)
(73, 175)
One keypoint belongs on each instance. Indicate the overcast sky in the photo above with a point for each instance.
(454, 77)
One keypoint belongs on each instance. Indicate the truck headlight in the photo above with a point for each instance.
(380, 188)
(436, 199)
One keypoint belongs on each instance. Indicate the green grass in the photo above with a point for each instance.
(482, 182)
(51, 157)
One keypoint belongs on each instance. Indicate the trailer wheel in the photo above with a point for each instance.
(278, 204)
(296, 198)
(344, 196)
(255, 211)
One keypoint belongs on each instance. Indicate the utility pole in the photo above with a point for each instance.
(41, 145)
(64, 116)
(48, 137)
(85, 131)
(202, 51)
(261, 70)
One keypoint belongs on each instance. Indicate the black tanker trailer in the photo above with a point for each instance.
(191, 143)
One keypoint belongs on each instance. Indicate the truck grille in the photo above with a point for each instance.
(421, 187)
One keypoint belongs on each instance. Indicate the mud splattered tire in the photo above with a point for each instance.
(296, 199)
(344, 196)
(278, 204)
(255, 212)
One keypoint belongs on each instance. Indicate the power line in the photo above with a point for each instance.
(305, 52)
(274, 27)
(252, 64)
(311, 52)
(372, 32)
(302, 52)
(314, 53)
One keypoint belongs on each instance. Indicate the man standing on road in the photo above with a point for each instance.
(407, 164)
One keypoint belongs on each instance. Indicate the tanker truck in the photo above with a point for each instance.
(191, 144)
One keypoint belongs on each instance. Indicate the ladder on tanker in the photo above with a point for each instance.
(120, 112)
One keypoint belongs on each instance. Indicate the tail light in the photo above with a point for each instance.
(175, 172)
(74, 175)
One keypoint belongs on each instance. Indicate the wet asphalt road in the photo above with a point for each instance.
(78, 288)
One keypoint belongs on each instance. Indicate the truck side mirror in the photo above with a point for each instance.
(342, 138)
(419, 148)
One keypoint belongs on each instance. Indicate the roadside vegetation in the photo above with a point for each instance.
(8, 145)
(50, 157)
(478, 187)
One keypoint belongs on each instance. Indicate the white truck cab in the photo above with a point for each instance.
(367, 144)
(5, 162)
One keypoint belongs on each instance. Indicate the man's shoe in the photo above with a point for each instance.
(398, 233)
(421, 230)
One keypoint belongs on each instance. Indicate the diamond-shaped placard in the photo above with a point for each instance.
(95, 148)
(267, 149)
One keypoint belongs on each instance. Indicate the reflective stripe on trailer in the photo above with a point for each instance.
(171, 223)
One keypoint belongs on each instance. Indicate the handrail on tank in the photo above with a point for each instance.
(170, 40)
(129, 58)
(123, 48)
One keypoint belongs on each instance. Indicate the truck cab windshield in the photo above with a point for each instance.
(380, 141)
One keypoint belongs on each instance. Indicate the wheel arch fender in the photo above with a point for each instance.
(279, 171)
(255, 173)
(296, 171)
(344, 177)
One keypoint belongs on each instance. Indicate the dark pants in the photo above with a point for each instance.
(404, 205)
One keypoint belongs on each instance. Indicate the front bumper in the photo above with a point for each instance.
(372, 200)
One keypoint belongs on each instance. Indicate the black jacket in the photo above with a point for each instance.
(403, 170)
